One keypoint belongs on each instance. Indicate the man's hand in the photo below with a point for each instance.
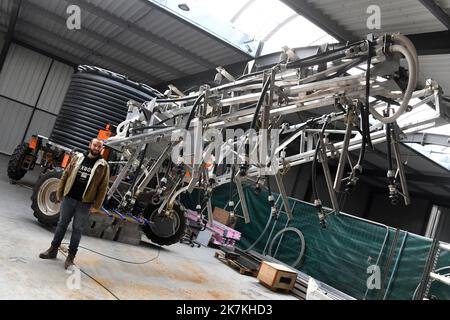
(93, 210)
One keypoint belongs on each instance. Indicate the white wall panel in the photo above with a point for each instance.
(42, 124)
(55, 87)
(23, 74)
(13, 121)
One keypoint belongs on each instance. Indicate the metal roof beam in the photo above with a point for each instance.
(10, 33)
(28, 42)
(108, 41)
(146, 34)
(437, 11)
(431, 42)
(51, 36)
(317, 17)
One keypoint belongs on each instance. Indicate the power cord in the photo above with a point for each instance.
(118, 259)
(99, 283)
(63, 251)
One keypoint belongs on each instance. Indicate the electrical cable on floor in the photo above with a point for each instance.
(92, 278)
(99, 283)
(118, 259)
(113, 258)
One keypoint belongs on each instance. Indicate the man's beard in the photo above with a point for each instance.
(94, 152)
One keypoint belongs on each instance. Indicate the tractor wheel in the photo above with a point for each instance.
(43, 199)
(166, 229)
(15, 171)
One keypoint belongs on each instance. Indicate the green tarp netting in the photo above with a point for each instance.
(343, 255)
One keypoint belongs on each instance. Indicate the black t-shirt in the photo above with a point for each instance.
(82, 178)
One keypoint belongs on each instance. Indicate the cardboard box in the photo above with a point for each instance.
(276, 276)
(222, 216)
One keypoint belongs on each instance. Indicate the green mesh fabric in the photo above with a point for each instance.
(340, 254)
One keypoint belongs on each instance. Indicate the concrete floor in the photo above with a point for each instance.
(178, 272)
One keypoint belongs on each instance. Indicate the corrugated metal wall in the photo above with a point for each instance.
(436, 67)
(23, 75)
(13, 120)
(32, 89)
(55, 87)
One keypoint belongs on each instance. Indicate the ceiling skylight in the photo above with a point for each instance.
(246, 24)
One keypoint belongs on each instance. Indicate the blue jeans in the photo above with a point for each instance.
(79, 211)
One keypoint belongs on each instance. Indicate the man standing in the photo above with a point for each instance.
(82, 189)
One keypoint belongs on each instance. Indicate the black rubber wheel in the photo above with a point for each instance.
(43, 199)
(15, 171)
(165, 230)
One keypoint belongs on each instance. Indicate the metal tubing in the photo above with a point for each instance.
(242, 198)
(327, 174)
(343, 157)
(210, 211)
(155, 167)
(401, 169)
(284, 197)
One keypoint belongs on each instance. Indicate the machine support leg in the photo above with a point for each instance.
(401, 169)
(327, 174)
(284, 196)
(210, 211)
(242, 198)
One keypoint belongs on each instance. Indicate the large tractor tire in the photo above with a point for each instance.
(165, 230)
(15, 171)
(43, 200)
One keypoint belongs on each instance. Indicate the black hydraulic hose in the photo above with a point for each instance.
(324, 54)
(362, 151)
(364, 110)
(314, 163)
(169, 166)
(387, 100)
(260, 102)
(269, 190)
(255, 116)
(350, 66)
(365, 122)
(231, 184)
(314, 172)
(165, 120)
(194, 108)
(316, 61)
(388, 142)
(308, 61)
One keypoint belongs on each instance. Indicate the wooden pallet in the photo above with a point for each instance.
(235, 265)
